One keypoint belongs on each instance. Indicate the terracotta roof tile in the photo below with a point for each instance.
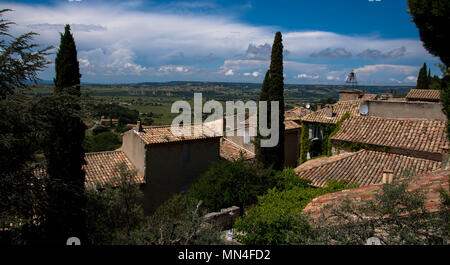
(363, 167)
(101, 168)
(291, 125)
(232, 151)
(163, 134)
(338, 111)
(428, 183)
(296, 113)
(424, 94)
(417, 135)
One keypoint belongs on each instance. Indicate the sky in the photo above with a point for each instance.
(230, 40)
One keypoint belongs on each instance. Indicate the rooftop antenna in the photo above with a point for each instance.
(351, 79)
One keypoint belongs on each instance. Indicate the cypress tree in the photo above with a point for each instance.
(67, 67)
(262, 154)
(273, 90)
(422, 79)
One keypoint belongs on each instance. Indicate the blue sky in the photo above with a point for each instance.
(138, 41)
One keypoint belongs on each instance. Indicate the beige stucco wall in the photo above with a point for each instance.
(405, 110)
(134, 148)
(168, 173)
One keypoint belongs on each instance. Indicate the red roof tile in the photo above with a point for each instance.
(363, 167)
(163, 134)
(338, 111)
(424, 94)
(417, 135)
(232, 151)
(429, 183)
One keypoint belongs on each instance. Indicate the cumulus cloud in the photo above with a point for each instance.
(306, 76)
(124, 39)
(332, 53)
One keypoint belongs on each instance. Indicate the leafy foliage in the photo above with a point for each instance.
(20, 59)
(430, 17)
(396, 216)
(228, 183)
(105, 141)
(266, 222)
(114, 212)
(179, 221)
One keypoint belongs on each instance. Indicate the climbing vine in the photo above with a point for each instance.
(322, 146)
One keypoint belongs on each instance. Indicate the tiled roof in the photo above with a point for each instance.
(369, 96)
(429, 184)
(163, 134)
(338, 111)
(296, 113)
(363, 167)
(417, 135)
(291, 125)
(424, 94)
(102, 168)
(232, 151)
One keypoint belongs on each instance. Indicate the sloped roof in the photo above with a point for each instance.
(164, 134)
(338, 109)
(291, 125)
(424, 94)
(102, 168)
(429, 184)
(418, 135)
(296, 113)
(362, 167)
(232, 151)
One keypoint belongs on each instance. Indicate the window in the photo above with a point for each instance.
(315, 132)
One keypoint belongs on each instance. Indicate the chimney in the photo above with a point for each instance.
(139, 126)
(388, 176)
(445, 157)
(329, 111)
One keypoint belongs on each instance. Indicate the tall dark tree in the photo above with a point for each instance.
(422, 79)
(67, 67)
(432, 18)
(274, 89)
(63, 135)
(20, 191)
(263, 154)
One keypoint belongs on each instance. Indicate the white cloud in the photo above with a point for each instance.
(229, 72)
(125, 40)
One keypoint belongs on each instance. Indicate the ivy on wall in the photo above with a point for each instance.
(322, 146)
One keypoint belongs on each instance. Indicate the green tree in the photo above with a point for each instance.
(20, 59)
(431, 18)
(21, 193)
(423, 78)
(273, 90)
(263, 154)
(276, 211)
(67, 67)
(62, 137)
(179, 221)
(228, 183)
(114, 212)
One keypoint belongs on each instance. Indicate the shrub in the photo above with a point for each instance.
(228, 183)
(275, 212)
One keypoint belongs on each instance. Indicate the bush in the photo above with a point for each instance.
(276, 212)
(179, 221)
(115, 211)
(106, 141)
(228, 183)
